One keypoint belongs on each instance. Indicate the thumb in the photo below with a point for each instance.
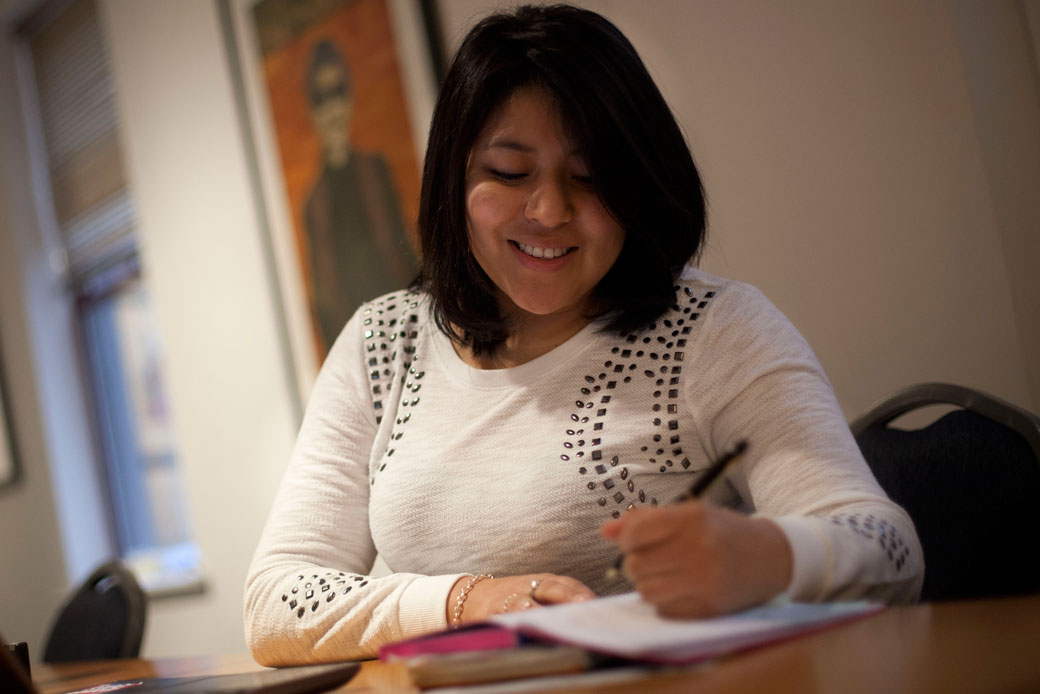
(611, 530)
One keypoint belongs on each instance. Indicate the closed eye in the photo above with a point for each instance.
(507, 176)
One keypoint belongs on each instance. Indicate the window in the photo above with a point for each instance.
(91, 210)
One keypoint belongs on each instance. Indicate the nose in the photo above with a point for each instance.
(549, 203)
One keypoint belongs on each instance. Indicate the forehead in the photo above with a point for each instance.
(529, 115)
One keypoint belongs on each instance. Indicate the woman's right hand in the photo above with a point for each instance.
(489, 596)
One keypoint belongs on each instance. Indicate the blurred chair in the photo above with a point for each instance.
(103, 619)
(971, 483)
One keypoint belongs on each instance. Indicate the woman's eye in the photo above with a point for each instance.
(583, 180)
(507, 176)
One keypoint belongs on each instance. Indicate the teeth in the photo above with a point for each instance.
(536, 252)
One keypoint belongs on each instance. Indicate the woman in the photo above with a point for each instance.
(503, 429)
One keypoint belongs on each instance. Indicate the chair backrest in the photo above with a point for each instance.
(103, 619)
(971, 483)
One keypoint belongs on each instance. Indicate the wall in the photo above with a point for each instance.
(32, 571)
(848, 180)
(204, 264)
(999, 54)
(57, 494)
(849, 177)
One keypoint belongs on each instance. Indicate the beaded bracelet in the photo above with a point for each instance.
(456, 613)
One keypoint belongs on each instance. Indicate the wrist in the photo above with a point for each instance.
(776, 554)
(458, 597)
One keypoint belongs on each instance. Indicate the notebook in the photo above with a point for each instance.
(309, 679)
(623, 626)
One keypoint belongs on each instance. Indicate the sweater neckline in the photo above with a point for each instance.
(512, 376)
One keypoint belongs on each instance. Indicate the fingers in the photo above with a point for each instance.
(515, 593)
(517, 601)
(611, 529)
(643, 528)
(550, 589)
(678, 595)
(697, 560)
(658, 560)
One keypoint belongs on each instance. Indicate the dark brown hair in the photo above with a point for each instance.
(637, 156)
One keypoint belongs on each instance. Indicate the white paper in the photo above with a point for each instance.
(624, 625)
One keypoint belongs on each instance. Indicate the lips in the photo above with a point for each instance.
(542, 252)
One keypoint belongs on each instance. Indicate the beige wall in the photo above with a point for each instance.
(32, 571)
(853, 176)
(847, 177)
(203, 259)
(999, 51)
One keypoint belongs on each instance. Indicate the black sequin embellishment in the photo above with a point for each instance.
(663, 340)
(392, 353)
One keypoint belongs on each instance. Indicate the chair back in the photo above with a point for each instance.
(103, 619)
(971, 483)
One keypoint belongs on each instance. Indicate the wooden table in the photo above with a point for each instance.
(980, 646)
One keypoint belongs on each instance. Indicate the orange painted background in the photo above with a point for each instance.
(361, 30)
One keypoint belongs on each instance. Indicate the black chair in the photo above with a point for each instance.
(103, 619)
(971, 483)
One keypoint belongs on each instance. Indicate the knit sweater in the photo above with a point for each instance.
(445, 469)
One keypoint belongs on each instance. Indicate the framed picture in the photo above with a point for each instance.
(335, 97)
(8, 460)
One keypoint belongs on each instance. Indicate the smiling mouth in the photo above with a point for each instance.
(543, 253)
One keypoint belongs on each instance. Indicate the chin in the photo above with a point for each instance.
(546, 307)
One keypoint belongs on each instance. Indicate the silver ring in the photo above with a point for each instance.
(535, 582)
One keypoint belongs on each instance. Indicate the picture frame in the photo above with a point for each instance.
(315, 216)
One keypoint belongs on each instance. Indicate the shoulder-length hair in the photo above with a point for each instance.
(636, 153)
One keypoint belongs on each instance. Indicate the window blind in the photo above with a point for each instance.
(79, 120)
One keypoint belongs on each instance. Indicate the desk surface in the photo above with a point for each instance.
(983, 646)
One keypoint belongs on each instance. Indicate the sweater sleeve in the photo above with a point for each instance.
(761, 382)
(308, 597)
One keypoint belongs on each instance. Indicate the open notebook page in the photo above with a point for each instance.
(624, 625)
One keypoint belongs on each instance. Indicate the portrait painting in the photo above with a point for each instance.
(346, 149)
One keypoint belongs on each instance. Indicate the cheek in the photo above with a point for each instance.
(486, 209)
(609, 232)
(480, 221)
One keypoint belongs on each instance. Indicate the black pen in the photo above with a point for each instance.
(698, 489)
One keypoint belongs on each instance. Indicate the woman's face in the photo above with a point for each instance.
(535, 223)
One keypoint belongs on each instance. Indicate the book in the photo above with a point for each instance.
(477, 667)
(625, 627)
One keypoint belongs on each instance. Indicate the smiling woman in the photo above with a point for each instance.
(501, 430)
(537, 227)
(581, 87)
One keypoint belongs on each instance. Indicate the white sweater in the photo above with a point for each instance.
(447, 470)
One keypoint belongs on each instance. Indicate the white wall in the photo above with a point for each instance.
(841, 148)
(203, 261)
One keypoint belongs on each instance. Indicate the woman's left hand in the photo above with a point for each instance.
(698, 560)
